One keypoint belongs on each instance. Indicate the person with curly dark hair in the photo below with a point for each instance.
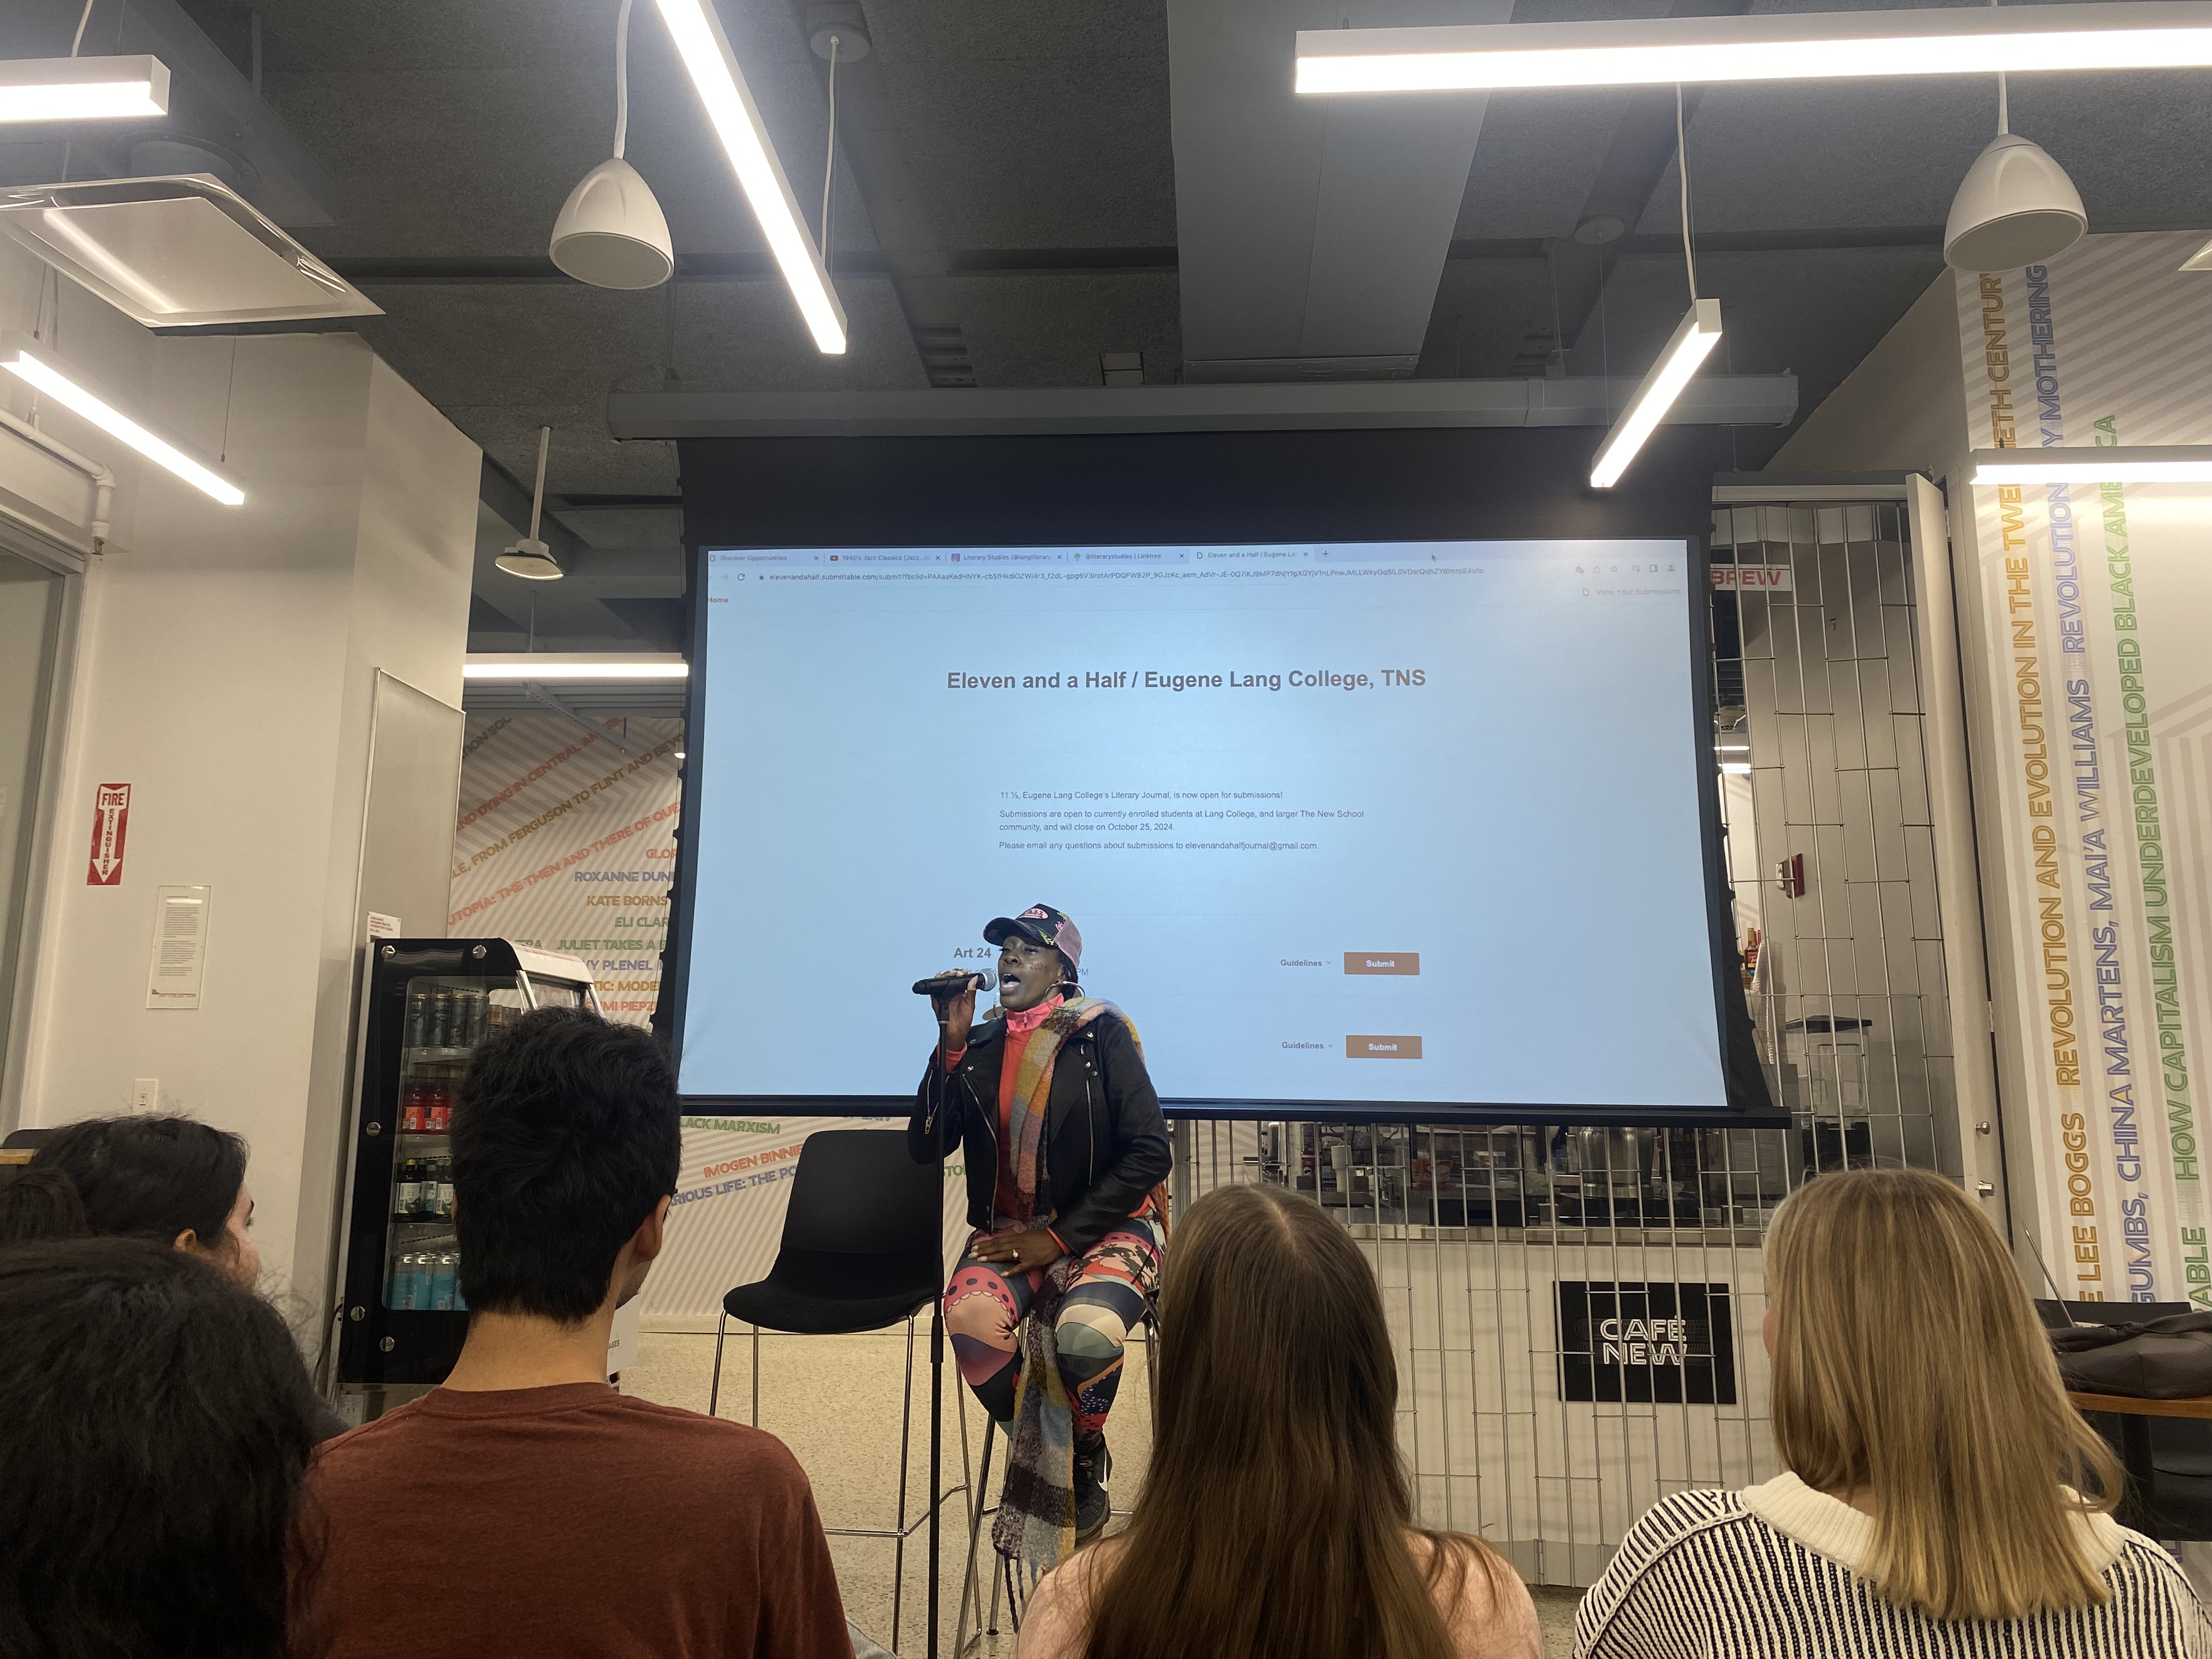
(154, 1428)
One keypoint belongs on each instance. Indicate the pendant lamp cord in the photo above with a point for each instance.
(829, 158)
(2004, 114)
(621, 84)
(1682, 167)
(538, 496)
(83, 17)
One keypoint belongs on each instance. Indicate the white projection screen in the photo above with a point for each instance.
(1417, 827)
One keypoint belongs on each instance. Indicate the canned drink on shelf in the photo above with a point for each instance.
(441, 1018)
(417, 1035)
(413, 1108)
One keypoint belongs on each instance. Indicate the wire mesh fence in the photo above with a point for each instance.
(1577, 1308)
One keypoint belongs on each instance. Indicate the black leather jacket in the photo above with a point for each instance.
(1106, 1145)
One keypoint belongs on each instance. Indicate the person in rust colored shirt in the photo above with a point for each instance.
(525, 1507)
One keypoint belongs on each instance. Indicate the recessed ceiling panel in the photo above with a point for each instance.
(178, 251)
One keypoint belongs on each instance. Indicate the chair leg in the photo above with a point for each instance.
(981, 1497)
(715, 1393)
(898, 1545)
(936, 1461)
(757, 1376)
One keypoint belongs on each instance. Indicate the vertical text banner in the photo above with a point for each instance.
(2100, 607)
(566, 843)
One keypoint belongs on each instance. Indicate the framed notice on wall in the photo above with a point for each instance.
(1664, 1343)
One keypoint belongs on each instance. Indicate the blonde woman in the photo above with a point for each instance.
(1935, 1497)
(1275, 1521)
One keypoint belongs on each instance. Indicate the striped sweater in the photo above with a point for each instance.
(1771, 1571)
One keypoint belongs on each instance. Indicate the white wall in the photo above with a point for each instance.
(1903, 409)
(224, 669)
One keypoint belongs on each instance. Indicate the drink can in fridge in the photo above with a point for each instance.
(417, 1035)
(442, 1279)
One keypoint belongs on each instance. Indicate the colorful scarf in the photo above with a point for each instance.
(1036, 1526)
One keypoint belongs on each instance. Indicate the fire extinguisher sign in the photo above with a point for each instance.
(110, 820)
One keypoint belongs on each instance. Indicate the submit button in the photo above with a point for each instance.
(1382, 1048)
(1381, 962)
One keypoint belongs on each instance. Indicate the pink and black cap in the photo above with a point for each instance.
(1043, 925)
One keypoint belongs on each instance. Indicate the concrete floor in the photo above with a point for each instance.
(835, 1401)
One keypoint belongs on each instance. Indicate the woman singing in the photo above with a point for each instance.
(1066, 1151)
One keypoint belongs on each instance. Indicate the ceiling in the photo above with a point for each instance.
(1006, 212)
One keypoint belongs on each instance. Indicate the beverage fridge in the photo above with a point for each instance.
(428, 1003)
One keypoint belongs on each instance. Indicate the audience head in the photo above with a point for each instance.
(1908, 1366)
(566, 1147)
(168, 1179)
(1275, 1518)
(154, 1426)
(39, 1205)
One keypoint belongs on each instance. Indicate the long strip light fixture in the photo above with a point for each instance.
(2109, 464)
(1764, 46)
(1699, 333)
(82, 89)
(67, 388)
(1694, 341)
(713, 69)
(567, 666)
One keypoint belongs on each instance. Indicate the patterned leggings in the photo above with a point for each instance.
(1112, 1283)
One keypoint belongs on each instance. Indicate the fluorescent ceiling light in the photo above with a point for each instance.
(2115, 463)
(1733, 748)
(1736, 766)
(722, 85)
(1699, 332)
(83, 88)
(565, 665)
(1766, 46)
(65, 386)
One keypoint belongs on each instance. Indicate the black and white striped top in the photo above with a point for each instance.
(1772, 1570)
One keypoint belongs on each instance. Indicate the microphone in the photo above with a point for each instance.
(951, 984)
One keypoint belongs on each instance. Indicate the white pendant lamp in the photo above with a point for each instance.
(2015, 206)
(530, 558)
(612, 232)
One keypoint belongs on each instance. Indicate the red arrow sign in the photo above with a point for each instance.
(110, 820)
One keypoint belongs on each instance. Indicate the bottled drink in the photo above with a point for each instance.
(434, 1189)
(414, 1109)
(446, 1186)
(409, 1192)
(443, 1286)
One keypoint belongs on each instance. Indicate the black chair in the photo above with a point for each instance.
(26, 1140)
(863, 1247)
(2177, 1505)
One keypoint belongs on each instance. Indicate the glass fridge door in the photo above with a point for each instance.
(447, 1016)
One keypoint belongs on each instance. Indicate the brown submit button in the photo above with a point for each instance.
(1381, 962)
(1382, 1048)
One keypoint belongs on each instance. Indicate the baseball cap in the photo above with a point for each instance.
(1044, 925)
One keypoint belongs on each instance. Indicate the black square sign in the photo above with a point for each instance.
(1646, 1343)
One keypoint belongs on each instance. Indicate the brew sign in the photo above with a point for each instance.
(1663, 1344)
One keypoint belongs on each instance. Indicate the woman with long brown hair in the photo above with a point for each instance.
(1276, 1522)
(1940, 1494)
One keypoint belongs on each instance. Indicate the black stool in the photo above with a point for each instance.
(863, 1247)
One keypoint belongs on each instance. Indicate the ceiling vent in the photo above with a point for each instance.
(183, 250)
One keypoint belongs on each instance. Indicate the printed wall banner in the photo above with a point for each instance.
(566, 843)
(1647, 1344)
(2097, 602)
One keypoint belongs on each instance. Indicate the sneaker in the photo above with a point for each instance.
(1092, 1506)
